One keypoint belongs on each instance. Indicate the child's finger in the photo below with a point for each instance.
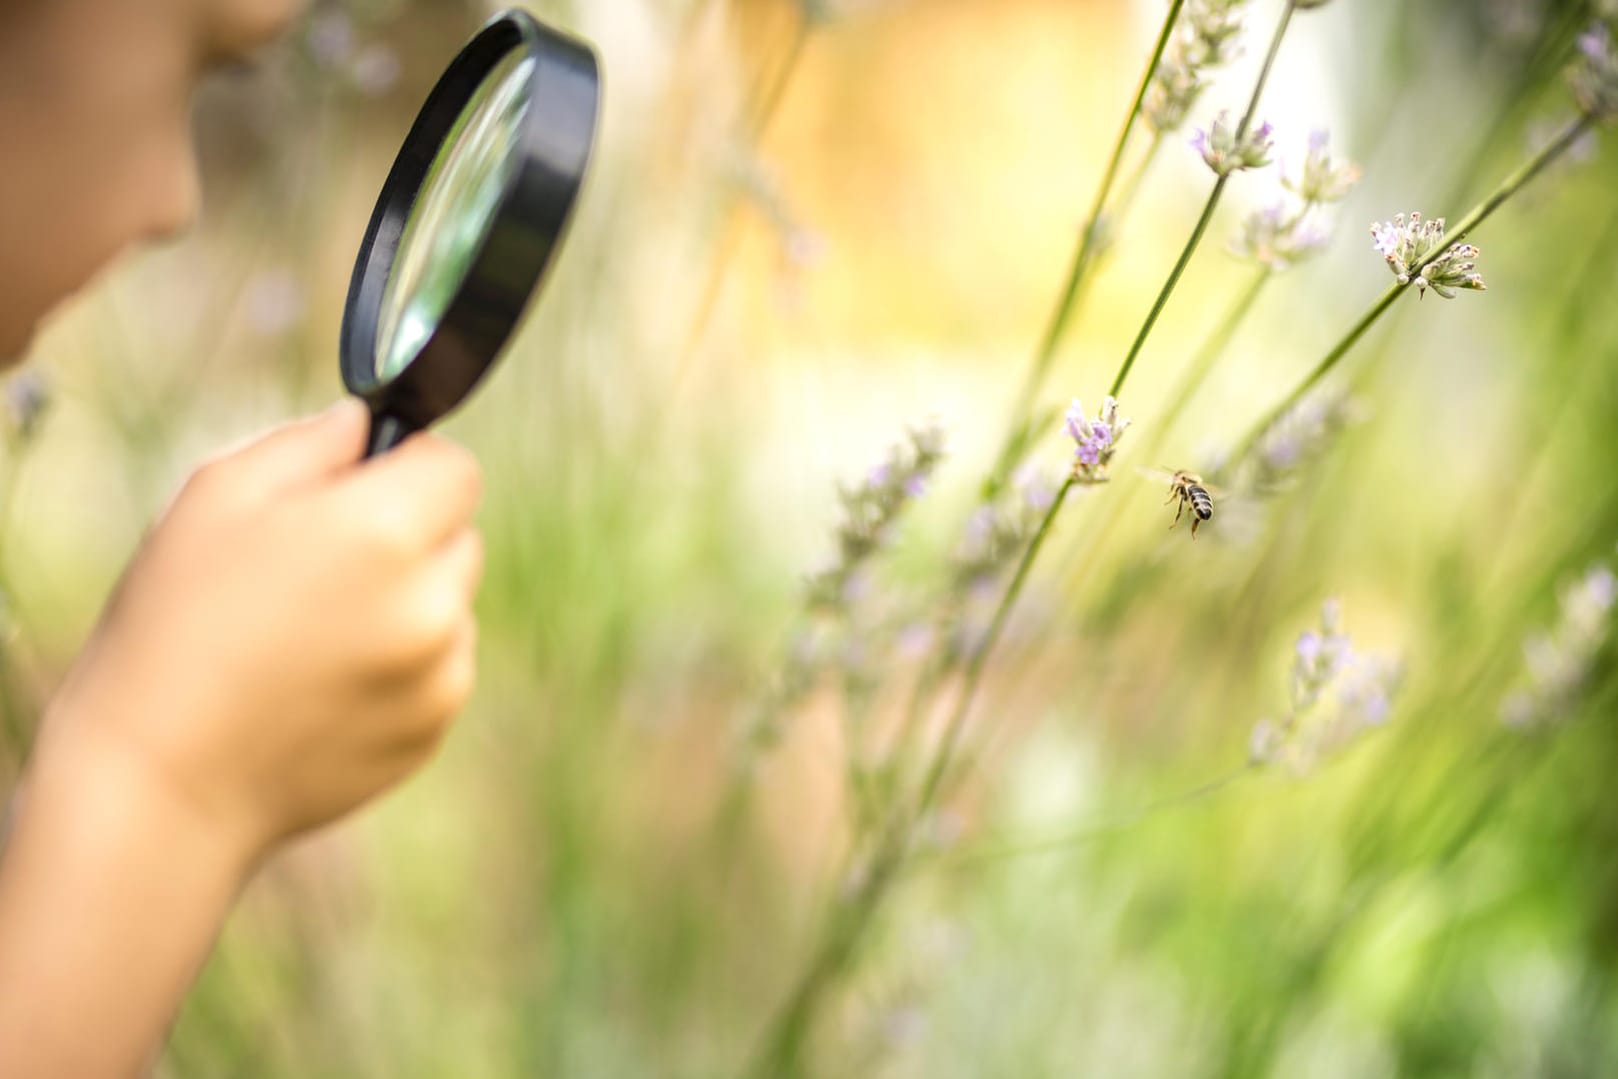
(303, 452)
(463, 561)
(428, 488)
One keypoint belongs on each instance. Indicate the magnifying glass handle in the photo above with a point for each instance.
(386, 433)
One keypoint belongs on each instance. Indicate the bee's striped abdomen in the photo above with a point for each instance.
(1201, 503)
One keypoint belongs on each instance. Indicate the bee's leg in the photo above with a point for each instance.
(1195, 521)
(1177, 511)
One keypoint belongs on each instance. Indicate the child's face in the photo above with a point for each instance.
(95, 133)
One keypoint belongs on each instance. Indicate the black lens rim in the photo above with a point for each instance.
(555, 144)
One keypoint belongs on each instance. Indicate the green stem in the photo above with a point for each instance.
(1509, 187)
(1475, 217)
(980, 657)
(994, 852)
(1321, 369)
(1083, 255)
(1208, 208)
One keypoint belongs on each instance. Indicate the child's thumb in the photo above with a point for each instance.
(307, 451)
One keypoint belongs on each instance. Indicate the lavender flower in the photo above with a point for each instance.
(1205, 39)
(274, 303)
(997, 532)
(1281, 235)
(1335, 694)
(1408, 245)
(800, 244)
(1320, 179)
(330, 38)
(996, 535)
(1594, 73)
(870, 511)
(1095, 441)
(1277, 238)
(1297, 440)
(1226, 153)
(26, 399)
(1559, 661)
(375, 70)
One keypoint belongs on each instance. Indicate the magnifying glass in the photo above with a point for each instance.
(469, 220)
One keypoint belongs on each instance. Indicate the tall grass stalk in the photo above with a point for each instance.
(1084, 255)
(1208, 208)
(838, 944)
(783, 1048)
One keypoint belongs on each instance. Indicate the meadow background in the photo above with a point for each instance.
(810, 226)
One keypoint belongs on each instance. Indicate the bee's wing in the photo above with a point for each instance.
(1218, 494)
(1161, 475)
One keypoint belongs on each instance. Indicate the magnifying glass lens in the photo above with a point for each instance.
(451, 219)
(467, 224)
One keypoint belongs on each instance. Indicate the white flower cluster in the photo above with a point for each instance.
(1410, 246)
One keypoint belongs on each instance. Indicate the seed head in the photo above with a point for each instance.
(1408, 244)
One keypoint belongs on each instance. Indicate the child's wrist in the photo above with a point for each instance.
(84, 777)
(112, 891)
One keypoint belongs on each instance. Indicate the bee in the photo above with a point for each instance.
(1189, 490)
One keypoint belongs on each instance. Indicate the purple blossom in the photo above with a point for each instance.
(1336, 694)
(1094, 439)
(1309, 646)
(1594, 42)
(1602, 587)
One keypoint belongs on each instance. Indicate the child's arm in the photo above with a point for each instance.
(291, 641)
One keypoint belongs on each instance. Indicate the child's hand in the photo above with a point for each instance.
(293, 637)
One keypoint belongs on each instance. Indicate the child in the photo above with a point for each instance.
(291, 640)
